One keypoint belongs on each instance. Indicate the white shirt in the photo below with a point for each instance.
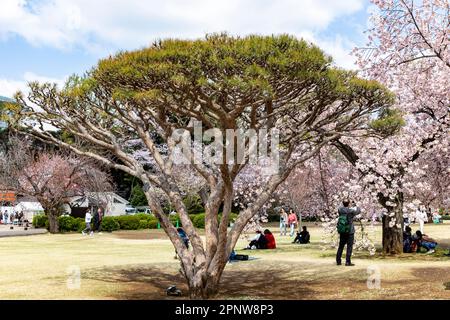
(88, 218)
(421, 215)
(256, 237)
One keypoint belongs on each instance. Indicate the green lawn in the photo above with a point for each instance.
(141, 264)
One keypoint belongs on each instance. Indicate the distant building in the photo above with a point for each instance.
(29, 206)
(7, 196)
(110, 202)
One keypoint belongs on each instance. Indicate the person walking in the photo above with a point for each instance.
(87, 220)
(292, 220)
(283, 222)
(95, 220)
(12, 217)
(346, 231)
(99, 220)
(421, 216)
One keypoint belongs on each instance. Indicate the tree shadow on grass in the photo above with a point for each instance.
(146, 282)
(151, 282)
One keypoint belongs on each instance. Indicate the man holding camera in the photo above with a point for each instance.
(346, 231)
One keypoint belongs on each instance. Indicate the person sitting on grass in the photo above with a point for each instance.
(234, 256)
(407, 240)
(258, 242)
(302, 237)
(271, 244)
(426, 242)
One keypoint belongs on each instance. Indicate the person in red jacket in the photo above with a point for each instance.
(270, 239)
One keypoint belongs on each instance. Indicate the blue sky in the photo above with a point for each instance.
(48, 40)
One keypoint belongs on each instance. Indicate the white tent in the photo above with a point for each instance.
(112, 203)
(29, 209)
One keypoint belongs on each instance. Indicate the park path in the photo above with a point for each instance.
(5, 231)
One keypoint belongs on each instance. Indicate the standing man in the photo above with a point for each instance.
(87, 220)
(99, 220)
(346, 231)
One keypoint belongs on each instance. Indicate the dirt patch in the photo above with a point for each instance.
(150, 234)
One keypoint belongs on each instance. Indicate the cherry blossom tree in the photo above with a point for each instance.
(408, 50)
(51, 177)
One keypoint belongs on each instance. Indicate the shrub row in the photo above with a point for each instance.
(134, 222)
(66, 223)
(40, 221)
(199, 219)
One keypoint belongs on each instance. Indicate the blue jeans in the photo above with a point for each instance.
(428, 245)
(88, 227)
(282, 228)
(292, 225)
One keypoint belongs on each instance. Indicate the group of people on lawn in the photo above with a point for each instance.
(414, 242)
(11, 217)
(266, 240)
(95, 220)
(345, 227)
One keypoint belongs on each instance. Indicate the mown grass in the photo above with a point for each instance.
(140, 265)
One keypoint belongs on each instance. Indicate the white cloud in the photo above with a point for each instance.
(339, 48)
(102, 24)
(9, 87)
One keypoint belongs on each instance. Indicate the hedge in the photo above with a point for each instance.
(69, 223)
(40, 221)
(199, 219)
(129, 222)
(153, 224)
(134, 222)
(66, 223)
(110, 224)
(144, 224)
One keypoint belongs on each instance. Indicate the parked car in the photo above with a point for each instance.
(144, 209)
(129, 210)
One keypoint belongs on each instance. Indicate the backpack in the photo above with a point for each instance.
(342, 225)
